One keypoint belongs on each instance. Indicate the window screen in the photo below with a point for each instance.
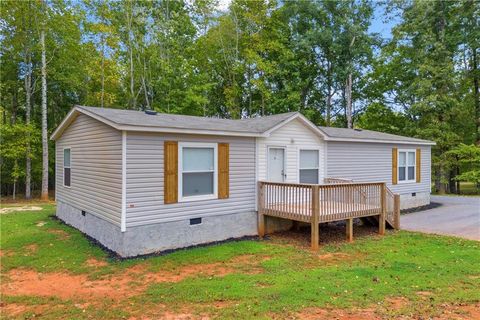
(198, 170)
(66, 168)
(309, 164)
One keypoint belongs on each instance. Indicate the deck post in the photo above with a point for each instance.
(383, 213)
(315, 217)
(350, 230)
(396, 211)
(261, 216)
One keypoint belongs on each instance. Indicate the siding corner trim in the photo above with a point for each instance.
(123, 222)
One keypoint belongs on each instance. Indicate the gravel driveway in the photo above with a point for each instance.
(457, 216)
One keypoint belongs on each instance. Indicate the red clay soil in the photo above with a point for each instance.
(131, 282)
(447, 312)
(337, 314)
(92, 262)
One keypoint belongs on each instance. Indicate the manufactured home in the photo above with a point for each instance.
(142, 182)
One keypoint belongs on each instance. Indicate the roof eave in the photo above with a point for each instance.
(429, 143)
(189, 131)
(76, 110)
(302, 118)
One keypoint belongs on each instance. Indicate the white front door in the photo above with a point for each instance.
(276, 164)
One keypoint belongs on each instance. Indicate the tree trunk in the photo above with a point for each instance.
(476, 95)
(103, 72)
(14, 194)
(129, 13)
(349, 102)
(28, 93)
(328, 111)
(452, 186)
(44, 194)
(458, 182)
(438, 179)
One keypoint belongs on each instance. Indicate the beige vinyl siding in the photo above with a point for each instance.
(145, 180)
(96, 164)
(294, 136)
(364, 162)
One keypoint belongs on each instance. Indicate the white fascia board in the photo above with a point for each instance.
(380, 141)
(65, 122)
(189, 131)
(302, 118)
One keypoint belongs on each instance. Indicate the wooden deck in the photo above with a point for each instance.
(335, 201)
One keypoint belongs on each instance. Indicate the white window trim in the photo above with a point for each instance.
(406, 181)
(182, 145)
(267, 174)
(298, 161)
(63, 167)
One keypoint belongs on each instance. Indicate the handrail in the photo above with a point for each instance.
(321, 185)
(288, 195)
(393, 208)
(392, 205)
(330, 180)
(293, 200)
(319, 203)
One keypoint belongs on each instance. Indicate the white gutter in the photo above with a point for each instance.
(427, 143)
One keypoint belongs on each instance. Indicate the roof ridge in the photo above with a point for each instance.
(188, 115)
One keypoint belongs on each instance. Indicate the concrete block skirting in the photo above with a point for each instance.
(409, 200)
(162, 236)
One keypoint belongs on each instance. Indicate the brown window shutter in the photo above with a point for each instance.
(170, 158)
(394, 165)
(223, 171)
(418, 166)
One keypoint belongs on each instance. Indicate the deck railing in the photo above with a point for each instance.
(315, 203)
(330, 180)
(393, 209)
(393, 201)
(335, 201)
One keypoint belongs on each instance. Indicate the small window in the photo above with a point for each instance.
(309, 164)
(67, 171)
(197, 170)
(406, 166)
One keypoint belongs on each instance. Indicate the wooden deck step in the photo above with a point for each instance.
(373, 221)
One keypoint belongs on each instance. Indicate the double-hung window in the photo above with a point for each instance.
(309, 164)
(67, 170)
(197, 171)
(406, 166)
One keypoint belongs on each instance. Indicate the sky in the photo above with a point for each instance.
(379, 25)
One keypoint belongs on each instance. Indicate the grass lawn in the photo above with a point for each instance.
(52, 271)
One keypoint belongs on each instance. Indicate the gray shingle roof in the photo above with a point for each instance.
(163, 120)
(362, 134)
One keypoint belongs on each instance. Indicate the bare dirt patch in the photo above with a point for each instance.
(92, 262)
(61, 234)
(18, 209)
(460, 312)
(334, 257)
(6, 253)
(338, 314)
(167, 315)
(249, 263)
(31, 248)
(442, 312)
(397, 303)
(330, 233)
(117, 287)
(15, 310)
(160, 311)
